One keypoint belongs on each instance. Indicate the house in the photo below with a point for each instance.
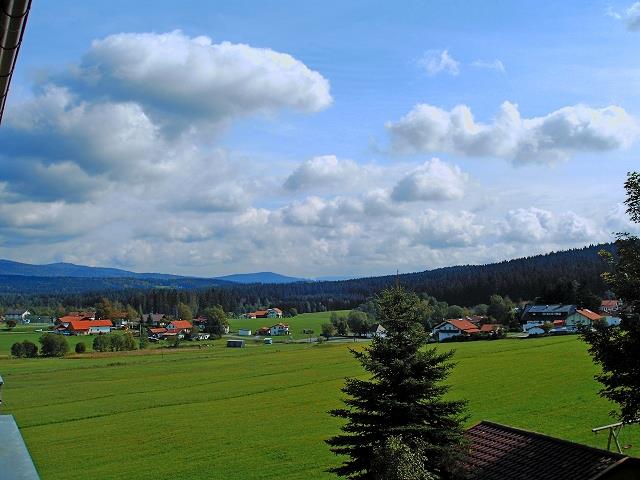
(200, 321)
(18, 315)
(498, 451)
(279, 329)
(263, 331)
(546, 313)
(267, 313)
(84, 327)
(610, 307)
(454, 327)
(244, 332)
(235, 343)
(377, 331)
(157, 332)
(201, 336)
(155, 319)
(492, 330)
(179, 327)
(584, 317)
(536, 330)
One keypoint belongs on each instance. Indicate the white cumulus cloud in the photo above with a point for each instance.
(181, 76)
(556, 136)
(433, 180)
(321, 172)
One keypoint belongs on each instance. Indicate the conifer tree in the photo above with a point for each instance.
(403, 398)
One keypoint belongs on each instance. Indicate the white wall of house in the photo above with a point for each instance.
(577, 319)
(445, 330)
(279, 330)
(98, 330)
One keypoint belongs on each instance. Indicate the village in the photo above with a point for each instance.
(535, 321)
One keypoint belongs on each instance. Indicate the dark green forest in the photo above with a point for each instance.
(521, 279)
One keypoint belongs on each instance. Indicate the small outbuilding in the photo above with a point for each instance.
(235, 343)
(268, 341)
(244, 332)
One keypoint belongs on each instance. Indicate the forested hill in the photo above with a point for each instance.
(520, 279)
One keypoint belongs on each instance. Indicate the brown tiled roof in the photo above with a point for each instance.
(498, 452)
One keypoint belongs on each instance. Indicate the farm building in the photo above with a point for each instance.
(267, 313)
(263, 331)
(19, 315)
(581, 317)
(179, 327)
(84, 327)
(377, 331)
(244, 332)
(454, 328)
(279, 329)
(610, 307)
(157, 332)
(235, 343)
(497, 451)
(492, 329)
(156, 319)
(546, 313)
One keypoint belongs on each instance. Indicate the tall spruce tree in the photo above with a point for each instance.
(616, 349)
(403, 399)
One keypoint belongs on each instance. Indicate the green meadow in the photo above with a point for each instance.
(304, 321)
(260, 412)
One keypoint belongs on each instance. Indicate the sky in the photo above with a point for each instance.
(318, 138)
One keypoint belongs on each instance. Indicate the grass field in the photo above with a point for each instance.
(304, 321)
(260, 412)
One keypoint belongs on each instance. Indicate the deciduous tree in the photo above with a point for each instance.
(616, 349)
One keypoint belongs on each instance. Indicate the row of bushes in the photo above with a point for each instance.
(52, 345)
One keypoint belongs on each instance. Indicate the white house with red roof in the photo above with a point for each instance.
(178, 327)
(454, 327)
(266, 313)
(80, 326)
(279, 329)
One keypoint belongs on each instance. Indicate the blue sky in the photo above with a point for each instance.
(317, 138)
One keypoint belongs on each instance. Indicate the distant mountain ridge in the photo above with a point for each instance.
(260, 277)
(61, 269)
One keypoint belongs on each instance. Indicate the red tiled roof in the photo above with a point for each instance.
(82, 325)
(589, 314)
(490, 327)
(157, 330)
(277, 309)
(464, 325)
(181, 324)
(558, 323)
(609, 303)
(497, 452)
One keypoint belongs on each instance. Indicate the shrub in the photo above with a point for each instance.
(128, 342)
(17, 350)
(102, 343)
(30, 349)
(81, 347)
(53, 345)
(11, 324)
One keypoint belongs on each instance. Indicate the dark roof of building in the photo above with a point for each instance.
(498, 452)
(550, 309)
